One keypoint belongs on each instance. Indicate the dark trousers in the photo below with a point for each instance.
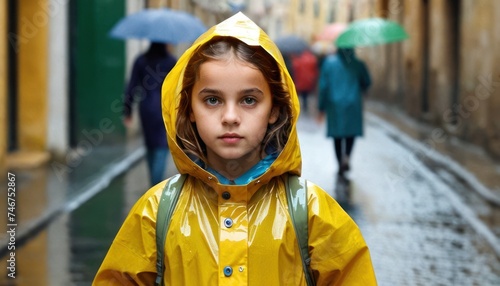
(304, 95)
(343, 147)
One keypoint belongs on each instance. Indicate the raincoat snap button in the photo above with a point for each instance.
(228, 271)
(228, 222)
(226, 195)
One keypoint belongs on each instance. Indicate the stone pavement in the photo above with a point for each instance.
(472, 165)
(44, 192)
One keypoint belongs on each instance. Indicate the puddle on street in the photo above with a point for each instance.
(92, 228)
(70, 250)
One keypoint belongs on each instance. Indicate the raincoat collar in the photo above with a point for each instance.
(241, 27)
(256, 171)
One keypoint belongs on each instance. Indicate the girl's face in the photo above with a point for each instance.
(232, 107)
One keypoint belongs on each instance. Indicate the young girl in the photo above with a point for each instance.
(230, 110)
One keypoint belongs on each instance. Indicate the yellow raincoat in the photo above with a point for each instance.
(261, 247)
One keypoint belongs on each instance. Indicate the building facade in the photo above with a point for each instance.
(445, 74)
(62, 76)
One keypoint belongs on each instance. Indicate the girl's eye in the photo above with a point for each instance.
(212, 100)
(249, 101)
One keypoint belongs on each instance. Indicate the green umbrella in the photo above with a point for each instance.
(370, 32)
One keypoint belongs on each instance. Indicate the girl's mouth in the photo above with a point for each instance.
(230, 138)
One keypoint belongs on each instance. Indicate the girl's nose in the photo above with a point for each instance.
(230, 115)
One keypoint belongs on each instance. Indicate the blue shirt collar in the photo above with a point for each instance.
(256, 171)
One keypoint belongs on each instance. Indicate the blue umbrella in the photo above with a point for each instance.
(291, 44)
(159, 25)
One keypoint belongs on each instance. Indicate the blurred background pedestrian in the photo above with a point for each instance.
(144, 87)
(343, 79)
(305, 76)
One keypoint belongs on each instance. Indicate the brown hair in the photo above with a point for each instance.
(221, 48)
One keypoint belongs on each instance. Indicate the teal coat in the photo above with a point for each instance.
(343, 79)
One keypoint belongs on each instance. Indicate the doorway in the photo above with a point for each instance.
(453, 6)
(425, 58)
(12, 15)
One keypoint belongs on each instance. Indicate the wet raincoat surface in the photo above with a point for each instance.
(261, 246)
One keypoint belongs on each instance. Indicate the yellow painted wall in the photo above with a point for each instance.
(33, 26)
(494, 98)
(3, 84)
(478, 79)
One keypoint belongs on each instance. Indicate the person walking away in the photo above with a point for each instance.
(230, 110)
(305, 69)
(343, 80)
(144, 87)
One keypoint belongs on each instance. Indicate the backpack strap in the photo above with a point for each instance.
(297, 206)
(166, 206)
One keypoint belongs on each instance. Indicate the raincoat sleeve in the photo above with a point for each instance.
(131, 259)
(323, 85)
(339, 254)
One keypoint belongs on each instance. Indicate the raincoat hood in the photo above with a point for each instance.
(241, 27)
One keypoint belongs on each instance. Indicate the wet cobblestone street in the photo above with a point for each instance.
(419, 230)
